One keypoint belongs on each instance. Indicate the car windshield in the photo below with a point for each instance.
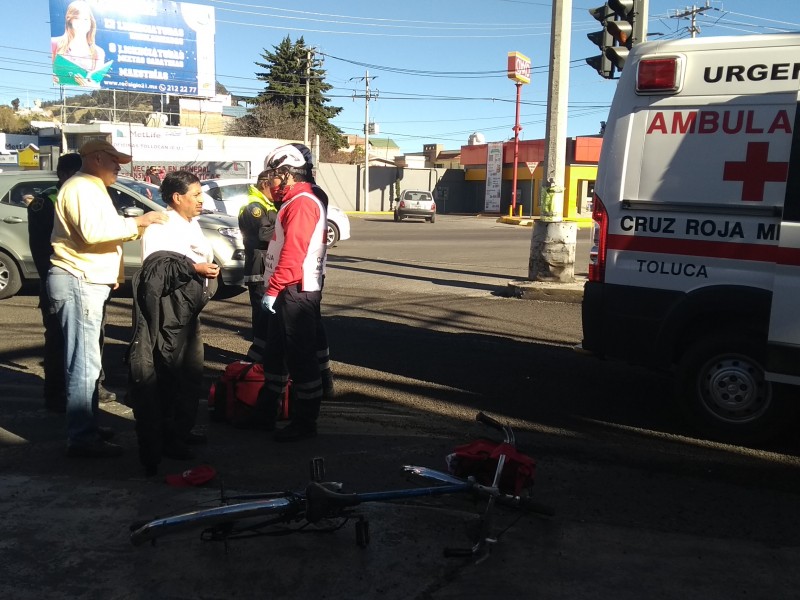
(418, 196)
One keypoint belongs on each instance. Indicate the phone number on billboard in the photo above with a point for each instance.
(180, 89)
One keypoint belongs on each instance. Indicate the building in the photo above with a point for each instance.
(583, 154)
(433, 156)
(209, 156)
(382, 151)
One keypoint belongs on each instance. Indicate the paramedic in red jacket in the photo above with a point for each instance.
(295, 263)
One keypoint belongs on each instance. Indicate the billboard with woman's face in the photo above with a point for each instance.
(152, 46)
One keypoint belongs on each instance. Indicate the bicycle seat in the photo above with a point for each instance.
(321, 501)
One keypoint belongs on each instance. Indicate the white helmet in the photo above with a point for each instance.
(284, 156)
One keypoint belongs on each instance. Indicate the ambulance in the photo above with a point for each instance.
(696, 260)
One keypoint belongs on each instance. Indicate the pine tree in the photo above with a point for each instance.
(285, 76)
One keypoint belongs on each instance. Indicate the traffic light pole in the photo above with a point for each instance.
(552, 255)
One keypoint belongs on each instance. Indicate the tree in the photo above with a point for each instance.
(15, 104)
(267, 120)
(285, 75)
(10, 122)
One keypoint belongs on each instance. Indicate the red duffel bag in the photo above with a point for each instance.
(234, 394)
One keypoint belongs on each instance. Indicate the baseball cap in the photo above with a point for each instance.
(93, 146)
(193, 477)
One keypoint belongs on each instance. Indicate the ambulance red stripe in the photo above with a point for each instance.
(705, 248)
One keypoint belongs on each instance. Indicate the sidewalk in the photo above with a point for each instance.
(529, 221)
(508, 220)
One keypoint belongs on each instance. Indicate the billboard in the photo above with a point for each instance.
(151, 46)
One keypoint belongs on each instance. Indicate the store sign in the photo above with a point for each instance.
(519, 67)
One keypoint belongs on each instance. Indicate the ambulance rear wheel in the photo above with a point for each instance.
(723, 390)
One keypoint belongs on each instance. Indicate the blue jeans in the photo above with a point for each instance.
(78, 305)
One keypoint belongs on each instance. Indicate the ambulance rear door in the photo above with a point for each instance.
(783, 357)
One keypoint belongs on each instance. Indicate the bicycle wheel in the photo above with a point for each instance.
(285, 506)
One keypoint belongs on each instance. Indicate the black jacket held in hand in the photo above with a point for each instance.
(168, 296)
(166, 353)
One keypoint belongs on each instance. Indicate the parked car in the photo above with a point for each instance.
(415, 203)
(130, 199)
(228, 195)
(153, 192)
(338, 225)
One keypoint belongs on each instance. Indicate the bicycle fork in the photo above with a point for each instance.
(485, 538)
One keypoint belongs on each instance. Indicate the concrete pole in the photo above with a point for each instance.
(366, 143)
(553, 243)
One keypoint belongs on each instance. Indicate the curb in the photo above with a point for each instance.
(523, 221)
(529, 221)
(551, 291)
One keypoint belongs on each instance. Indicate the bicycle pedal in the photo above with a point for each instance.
(362, 532)
(317, 466)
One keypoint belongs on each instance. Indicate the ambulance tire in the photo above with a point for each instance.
(721, 388)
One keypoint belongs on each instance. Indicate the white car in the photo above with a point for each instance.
(228, 196)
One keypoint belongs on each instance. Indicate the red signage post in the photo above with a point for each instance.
(519, 70)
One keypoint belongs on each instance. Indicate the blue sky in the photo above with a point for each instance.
(438, 65)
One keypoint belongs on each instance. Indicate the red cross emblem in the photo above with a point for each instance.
(755, 171)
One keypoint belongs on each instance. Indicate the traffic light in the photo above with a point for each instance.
(603, 40)
(624, 24)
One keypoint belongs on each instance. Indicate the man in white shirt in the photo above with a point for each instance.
(170, 291)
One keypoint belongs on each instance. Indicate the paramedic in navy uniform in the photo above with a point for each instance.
(295, 264)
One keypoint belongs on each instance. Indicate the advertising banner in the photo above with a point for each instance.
(203, 169)
(494, 176)
(151, 46)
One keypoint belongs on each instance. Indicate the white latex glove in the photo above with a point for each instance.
(267, 302)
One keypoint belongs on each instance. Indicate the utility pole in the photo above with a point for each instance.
(309, 54)
(552, 255)
(692, 14)
(366, 142)
(367, 97)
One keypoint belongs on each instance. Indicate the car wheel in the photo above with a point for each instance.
(396, 217)
(10, 280)
(432, 219)
(333, 235)
(722, 389)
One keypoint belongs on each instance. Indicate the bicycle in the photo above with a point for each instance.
(323, 503)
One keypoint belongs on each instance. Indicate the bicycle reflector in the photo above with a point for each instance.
(659, 75)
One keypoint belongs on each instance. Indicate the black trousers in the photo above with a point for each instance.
(255, 290)
(166, 406)
(292, 345)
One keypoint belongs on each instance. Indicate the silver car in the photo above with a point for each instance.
(415, 203)
(131, 198)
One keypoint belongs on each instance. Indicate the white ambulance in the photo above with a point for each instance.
(696, 264)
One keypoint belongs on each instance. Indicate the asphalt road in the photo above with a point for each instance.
(421, 338)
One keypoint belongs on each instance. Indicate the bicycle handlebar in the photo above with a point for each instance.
(482, 417)
(508, 433)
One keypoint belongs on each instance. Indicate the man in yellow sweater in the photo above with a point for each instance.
(85, 266)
